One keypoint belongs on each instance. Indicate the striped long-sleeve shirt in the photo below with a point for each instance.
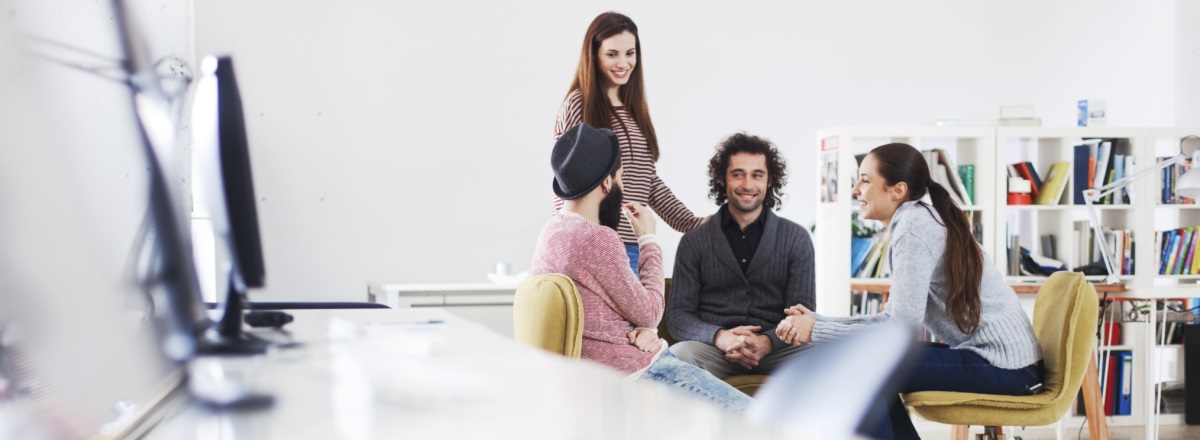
(640, 183)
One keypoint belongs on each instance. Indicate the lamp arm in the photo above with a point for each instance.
(1108, 189)
(1101, 241)
(1092, 195)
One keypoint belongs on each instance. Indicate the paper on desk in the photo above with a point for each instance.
(507, 280)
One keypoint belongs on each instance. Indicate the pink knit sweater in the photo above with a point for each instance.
(615, 301)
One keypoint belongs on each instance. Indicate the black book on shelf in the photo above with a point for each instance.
(1191, 374)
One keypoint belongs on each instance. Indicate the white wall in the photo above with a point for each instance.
(408, 141)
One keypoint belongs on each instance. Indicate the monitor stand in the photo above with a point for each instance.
(226, 337)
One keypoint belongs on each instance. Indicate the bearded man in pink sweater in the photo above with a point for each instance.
(620, 309)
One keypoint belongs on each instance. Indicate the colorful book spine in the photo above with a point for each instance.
(967, 174)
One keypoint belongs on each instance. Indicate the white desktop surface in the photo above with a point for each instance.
(403, 379)
(399, 295)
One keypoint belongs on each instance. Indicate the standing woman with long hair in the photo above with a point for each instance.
(607, 92)
(941, 279)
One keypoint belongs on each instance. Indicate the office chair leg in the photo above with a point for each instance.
(959, 432)
(1097, 425)
(991, 433)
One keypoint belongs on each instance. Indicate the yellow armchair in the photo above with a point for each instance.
(1064, 320)
(548, 314)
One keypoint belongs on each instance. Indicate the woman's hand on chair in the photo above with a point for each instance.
(796, 329)
(645, 339)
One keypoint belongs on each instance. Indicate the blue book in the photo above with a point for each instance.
(1082, 157)
(859, 248)
(1124, 383)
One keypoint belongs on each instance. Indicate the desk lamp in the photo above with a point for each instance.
(1188, 186)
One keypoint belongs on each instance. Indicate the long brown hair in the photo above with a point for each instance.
(597, 110)
(963, 258)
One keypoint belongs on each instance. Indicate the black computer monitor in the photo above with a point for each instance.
(223, 153)
(167, 271)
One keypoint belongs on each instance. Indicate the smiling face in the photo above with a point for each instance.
(877, 199)
(746, 182)
(616, 58)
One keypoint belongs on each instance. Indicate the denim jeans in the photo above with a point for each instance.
(690, 379)
(634, 252)
(940, 368)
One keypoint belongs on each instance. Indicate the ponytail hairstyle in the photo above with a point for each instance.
(589, 80)
(963, 258)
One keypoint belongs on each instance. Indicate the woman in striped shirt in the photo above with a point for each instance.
(607, 93)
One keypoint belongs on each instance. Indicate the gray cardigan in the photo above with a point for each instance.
(919, 290)
(709, 292)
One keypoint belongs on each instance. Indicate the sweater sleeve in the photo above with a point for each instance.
(801, 282)
(912, 272)
(683, 320)
(569, 114)
(667, 206)
(638, 300)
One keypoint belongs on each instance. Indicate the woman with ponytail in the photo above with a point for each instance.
(942, 280)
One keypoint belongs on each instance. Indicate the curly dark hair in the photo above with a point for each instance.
(745, 143)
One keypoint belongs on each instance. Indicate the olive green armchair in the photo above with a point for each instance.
(548, 314)
(1064, 320)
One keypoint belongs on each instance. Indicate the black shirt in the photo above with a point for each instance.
(743, 243)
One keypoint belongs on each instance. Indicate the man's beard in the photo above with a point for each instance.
(610, 208)
(736, 203)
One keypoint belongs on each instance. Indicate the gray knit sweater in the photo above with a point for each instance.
(919, 291)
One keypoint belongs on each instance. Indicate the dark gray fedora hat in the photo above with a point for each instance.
(583, 156)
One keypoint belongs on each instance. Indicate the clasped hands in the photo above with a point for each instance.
(743, 345)
(797, 328)
(645, 339)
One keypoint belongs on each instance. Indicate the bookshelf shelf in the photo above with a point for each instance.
(991, 150)
(1066, 207)
(1177, 206)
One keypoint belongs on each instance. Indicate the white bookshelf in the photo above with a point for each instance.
(991, 150)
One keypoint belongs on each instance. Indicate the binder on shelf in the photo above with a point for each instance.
(1026, 171)
(1082, 171)
(1110, 387)
(1056, 182)
(1191, 376)
(1124, 403)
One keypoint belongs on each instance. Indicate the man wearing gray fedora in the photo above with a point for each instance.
(620, 309)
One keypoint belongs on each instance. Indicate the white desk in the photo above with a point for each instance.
(488, 304)
(451, 380)
(402, 295)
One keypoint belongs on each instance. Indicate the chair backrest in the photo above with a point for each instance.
(1064, 320)
(548, 313)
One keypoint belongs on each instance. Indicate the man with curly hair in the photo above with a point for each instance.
(735, 275)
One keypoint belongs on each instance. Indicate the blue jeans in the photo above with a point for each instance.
(939, 368)
(633, 252)
(690, 379)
